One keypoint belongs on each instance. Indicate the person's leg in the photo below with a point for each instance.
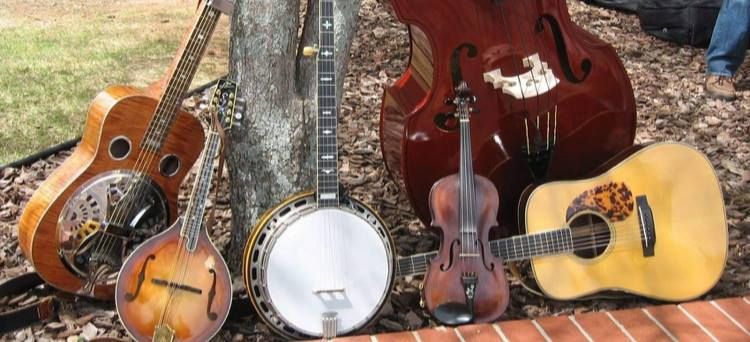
(727, 49)
(729, 39)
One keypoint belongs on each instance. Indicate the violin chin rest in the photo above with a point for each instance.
(453, 313)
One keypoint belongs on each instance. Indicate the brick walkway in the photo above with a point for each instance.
(716, 320)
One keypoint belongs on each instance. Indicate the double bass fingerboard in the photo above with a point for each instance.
(328, 179)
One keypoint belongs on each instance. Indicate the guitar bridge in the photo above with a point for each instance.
(646, 223)
(163, 333)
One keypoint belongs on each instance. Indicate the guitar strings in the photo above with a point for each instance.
(539, 249)
(143, 164)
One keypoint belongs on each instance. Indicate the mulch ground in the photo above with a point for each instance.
(667, 80)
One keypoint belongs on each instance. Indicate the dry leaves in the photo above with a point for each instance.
(667, 80)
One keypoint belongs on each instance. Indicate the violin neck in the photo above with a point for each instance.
(327, 170)
(467, 197)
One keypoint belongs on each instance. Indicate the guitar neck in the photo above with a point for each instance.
(201, 187)
(327, 170)
(185, 66)
(516, 248)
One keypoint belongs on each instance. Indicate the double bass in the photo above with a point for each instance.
(555, 102)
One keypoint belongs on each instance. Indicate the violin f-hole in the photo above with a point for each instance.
(141, 277)
(489, 265)
(562, 50)
(444, 267)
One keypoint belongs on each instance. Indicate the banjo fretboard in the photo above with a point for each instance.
(328, 180)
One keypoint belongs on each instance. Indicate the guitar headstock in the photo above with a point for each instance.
(228, 108)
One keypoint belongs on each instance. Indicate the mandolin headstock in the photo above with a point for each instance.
(227, 107)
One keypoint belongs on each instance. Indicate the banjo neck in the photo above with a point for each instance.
(327, 162)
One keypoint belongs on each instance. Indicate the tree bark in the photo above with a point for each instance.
(271, 156)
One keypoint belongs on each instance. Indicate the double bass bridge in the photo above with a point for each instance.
(535, 82)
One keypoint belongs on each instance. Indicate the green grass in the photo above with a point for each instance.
(50, 72)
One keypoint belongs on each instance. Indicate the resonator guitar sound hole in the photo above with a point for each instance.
(591, 235)
(169, 165)
(119, 148)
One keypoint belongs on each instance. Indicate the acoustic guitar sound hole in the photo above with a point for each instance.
(119, 148)
(591, 235)
(169, 165)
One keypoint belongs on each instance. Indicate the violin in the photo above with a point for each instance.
(465, 282)
(556, 101)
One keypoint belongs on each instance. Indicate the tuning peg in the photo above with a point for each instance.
(309, 51)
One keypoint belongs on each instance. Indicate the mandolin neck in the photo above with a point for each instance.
(193, 222)
(516, 248)
(327, 169)
(185, 65)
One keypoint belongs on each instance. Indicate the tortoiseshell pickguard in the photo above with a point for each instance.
(614, 201)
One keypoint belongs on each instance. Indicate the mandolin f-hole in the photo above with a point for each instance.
(141, 277)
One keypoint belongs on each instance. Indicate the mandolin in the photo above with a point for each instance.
(119, 187)
(465, 282)
(653, 225)
(176, 286)
(555, 101)
(320, 264)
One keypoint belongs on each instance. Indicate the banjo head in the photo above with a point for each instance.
(308, 263)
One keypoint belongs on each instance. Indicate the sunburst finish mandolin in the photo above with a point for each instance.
(176, 286)
(120, 185)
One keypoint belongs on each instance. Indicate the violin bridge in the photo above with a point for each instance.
(163, 333)
(330, 325)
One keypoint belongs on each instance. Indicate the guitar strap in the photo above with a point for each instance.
(30, 314)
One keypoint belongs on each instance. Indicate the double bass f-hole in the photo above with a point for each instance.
(562, 50)
(447, 121)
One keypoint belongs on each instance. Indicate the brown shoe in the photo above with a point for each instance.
(720, 87)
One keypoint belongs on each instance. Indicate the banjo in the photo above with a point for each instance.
(320, 264)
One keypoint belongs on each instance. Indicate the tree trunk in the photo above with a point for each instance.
(271, 156)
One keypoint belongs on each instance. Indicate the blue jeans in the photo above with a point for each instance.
(730, 38)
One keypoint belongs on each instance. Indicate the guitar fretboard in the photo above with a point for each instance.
(180, 79)
(328, 180)
(521, 247)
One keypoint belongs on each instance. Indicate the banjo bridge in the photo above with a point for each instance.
(327, 291)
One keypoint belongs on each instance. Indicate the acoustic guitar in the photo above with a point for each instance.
(653, 225)
(320, 264)
(176, 286)
(120, 185)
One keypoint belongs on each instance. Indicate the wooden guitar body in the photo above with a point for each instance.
(119, 114)
(577, 124)
(199, 299)
(668, 187)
